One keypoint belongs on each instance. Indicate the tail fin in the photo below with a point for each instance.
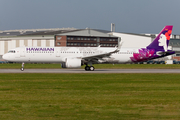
(161, 42)
(157, 49)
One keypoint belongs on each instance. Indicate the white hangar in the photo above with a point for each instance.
(76, 38)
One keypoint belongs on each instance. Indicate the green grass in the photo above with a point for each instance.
(97, 66)
(90, 96)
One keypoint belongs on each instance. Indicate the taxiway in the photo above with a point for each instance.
(95, 71)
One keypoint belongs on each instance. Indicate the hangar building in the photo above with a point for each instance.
(72, 37)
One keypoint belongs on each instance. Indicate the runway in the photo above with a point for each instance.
(95, 71)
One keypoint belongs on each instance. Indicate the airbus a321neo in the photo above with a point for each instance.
(73, 57)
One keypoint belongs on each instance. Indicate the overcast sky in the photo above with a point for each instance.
(132, 16)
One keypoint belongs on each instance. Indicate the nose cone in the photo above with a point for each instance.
(5, 57)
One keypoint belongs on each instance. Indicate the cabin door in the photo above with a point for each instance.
(22, 52)
(17, 53)
(57, 52)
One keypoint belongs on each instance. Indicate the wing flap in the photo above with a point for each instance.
(104, 55)
(95, 58)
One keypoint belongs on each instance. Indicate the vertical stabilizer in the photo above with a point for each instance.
(161, 42)
(157, 49)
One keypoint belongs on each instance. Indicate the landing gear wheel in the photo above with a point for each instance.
(22, 69)
(92, 68)
(87, 68)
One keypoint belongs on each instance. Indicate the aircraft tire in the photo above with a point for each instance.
(87, 68)
(22, 69)
(92, 68)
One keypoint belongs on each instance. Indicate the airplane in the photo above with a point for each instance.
(74, 57)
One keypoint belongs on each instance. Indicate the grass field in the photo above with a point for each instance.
(97, 66)
(90, 96)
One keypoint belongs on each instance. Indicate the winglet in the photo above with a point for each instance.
(117, 48)
(120, 45)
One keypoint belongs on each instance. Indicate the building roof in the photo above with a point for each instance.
(13, 33)
(88, 32)
(144, 35)
(27, 32)
(57, 31)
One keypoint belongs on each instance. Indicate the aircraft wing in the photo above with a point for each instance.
(95, 58)
(99, 56)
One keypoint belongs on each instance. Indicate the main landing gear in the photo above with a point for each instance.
(89, 68)
(22, 68)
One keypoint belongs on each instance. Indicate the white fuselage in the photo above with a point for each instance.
(59, 54)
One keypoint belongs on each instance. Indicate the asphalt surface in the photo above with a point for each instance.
(95, 71)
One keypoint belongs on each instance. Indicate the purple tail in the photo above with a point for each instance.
(161, 42)
(157, 49)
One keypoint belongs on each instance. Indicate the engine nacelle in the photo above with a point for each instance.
(71, 63)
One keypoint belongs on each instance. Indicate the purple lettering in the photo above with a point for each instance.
(51, 49)
(39, 49)
(36, 49)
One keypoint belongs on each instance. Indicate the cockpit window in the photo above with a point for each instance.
(11, 51)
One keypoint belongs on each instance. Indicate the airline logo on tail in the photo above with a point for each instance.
(164, 38)
(161, 42)
(159, 45)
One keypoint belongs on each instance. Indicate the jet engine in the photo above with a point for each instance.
(71, 63)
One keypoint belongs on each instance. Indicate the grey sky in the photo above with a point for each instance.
(133, 16)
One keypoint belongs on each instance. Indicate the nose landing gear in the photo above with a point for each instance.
(22, 68)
